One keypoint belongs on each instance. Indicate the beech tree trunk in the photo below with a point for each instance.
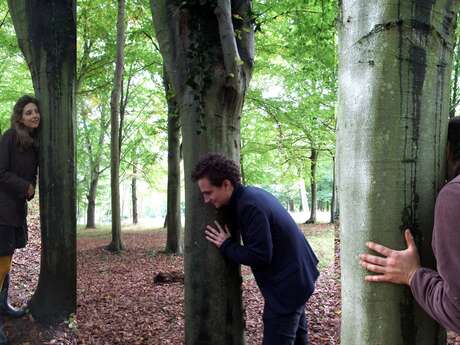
(134, 193)
(91, 197)
(46, 32)
(173, 219)
(334, 209)
(116, 245)
(313, 186)
(303, 196)
(455, 98)
(394, 72)
(95, 155)
(208, 52)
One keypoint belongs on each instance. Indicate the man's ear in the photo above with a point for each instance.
(226, 183)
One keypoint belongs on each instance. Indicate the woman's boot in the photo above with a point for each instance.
(5, 307)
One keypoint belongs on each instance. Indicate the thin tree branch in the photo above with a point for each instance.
(232, 60)
(4, 18)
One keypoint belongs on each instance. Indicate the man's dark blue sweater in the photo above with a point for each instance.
(283, 263)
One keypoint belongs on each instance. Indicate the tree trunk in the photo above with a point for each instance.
(208, 53)
(94, 163)
(173, 219)
(134, 192)
(116, 244)
(46, 32)
(243, 176)
(91, 210)
(394, 74)
(303, 196)
(454, 101)
(334, 213)
(313, 186)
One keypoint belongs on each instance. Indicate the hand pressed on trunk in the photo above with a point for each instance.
(396, 266)
(217, 235)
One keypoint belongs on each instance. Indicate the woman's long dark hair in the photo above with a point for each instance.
(453, 137)
(24, 136)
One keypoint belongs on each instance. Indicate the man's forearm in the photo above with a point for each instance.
(244, 255)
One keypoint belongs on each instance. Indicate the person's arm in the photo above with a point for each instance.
(438, 293)
(10, 181)
(257, 250)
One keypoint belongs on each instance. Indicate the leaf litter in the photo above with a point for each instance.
(119, 302)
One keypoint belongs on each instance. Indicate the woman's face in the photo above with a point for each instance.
(30, 116)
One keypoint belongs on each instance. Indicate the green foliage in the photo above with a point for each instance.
(144, 124)
(455, 77)
(15, 79)
(71, 321)
(288, 111)
(290, 108)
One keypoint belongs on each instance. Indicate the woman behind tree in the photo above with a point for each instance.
(18, 171)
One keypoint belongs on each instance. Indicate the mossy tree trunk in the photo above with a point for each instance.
(46, 32)
(208, 52)
(394, 72)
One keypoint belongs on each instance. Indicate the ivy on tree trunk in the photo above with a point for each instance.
(208, 52)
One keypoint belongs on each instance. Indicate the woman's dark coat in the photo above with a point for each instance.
(18, 169)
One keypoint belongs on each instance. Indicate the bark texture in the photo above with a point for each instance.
(395, 66)
(173, 218)
(208, 52)
(116, 244)
(46, 32)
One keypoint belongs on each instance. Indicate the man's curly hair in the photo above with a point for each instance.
(217, 168)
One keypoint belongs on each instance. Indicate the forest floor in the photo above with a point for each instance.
(119, 303)
(24, 279)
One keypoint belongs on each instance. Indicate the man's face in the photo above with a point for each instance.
(218, 196)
